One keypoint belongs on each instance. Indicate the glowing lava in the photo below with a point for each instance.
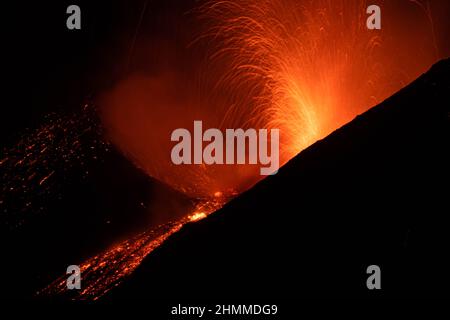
(303, 67)
(197, 216)
(107, 270)
(33, 171)
(308, 67)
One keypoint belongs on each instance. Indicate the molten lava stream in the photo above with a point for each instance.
(303, 67)
(107, 270)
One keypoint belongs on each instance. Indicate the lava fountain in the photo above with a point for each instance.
(311, 66)
(303, 67)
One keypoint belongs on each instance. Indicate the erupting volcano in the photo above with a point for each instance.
(303, 68)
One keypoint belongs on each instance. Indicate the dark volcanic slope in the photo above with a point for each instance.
(373, 192)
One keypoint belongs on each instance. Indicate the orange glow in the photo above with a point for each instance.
(311, 66)
(108, 269)
(197, 216)
(304, 67)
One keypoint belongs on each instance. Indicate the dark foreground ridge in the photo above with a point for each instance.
(373, 192)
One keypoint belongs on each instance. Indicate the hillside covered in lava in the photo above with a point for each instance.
(373, 192)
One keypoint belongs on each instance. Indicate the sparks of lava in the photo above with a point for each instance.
(308, 67)
(197, 216)
(107, 270)
(35, 167)
(304, 67)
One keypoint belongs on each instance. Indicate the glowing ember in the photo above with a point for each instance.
(33, 170)
(304, 67)
(308, 67)
(103, 272)
(197, 216)
(107, 270)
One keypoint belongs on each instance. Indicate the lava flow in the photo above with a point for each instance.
(107, 270)
(304, 67)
